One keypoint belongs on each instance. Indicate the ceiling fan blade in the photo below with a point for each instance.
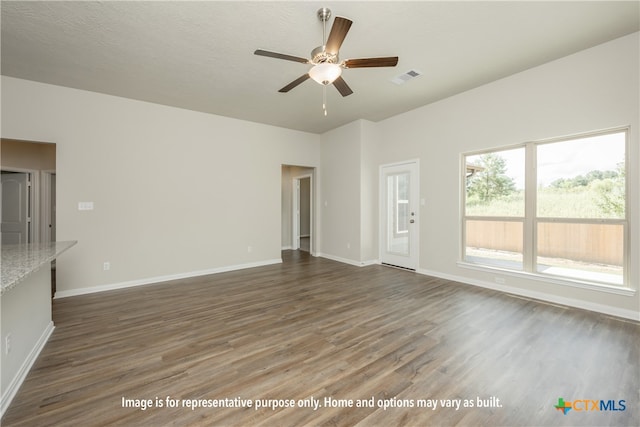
(342, 87)
(294, 83)
(281, 56)
(337, 34)
(389, 61)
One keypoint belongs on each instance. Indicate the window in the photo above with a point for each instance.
(554, 208)
(494, 208)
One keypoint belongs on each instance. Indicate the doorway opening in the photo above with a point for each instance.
(298, 208)
(28, 193)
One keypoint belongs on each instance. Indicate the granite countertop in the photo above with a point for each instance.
(18, 261)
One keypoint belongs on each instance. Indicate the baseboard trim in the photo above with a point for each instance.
(347, 261)
(570, 302)
(160, 279)
(16, 382)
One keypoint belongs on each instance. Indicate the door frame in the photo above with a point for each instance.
(295, 214)
(415, 243)
(47, 205)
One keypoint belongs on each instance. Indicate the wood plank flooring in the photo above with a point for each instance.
(314, 328)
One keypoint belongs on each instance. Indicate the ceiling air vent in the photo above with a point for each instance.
(405, 77)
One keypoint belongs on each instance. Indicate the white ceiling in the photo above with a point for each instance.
(199, 55)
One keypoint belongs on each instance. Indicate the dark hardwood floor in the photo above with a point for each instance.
(314, 328)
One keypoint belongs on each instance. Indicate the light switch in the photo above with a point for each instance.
(85, 206)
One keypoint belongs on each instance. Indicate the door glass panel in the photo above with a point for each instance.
(398, 214)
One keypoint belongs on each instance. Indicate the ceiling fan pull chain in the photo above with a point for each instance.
(324, 100)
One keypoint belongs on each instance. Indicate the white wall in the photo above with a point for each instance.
(340, 184)
(175, 191)
(349, 204)
(591, 90)
(369, 193)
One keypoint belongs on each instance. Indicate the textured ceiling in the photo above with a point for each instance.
(199, 55)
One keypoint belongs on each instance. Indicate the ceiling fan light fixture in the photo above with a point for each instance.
(325, 73)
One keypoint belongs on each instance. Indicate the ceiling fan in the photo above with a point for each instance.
(327, 67)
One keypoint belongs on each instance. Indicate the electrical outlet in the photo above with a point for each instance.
(106, 266)
(7, 344)
(249, 249)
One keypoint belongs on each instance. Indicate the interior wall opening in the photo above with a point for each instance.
(297, 208)
(28, 193)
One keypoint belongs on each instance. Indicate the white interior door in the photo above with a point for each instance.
(16, 221)
(399, 186)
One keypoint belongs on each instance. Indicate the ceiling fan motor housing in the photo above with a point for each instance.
(320, 56)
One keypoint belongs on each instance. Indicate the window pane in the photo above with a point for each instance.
(495, 243)
(592, 252)
(495, 184)
(582, 178)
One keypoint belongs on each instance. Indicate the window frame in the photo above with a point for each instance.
(531, 221)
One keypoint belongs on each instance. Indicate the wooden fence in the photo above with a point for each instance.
(594, 243)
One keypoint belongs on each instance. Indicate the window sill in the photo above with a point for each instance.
(612, 289)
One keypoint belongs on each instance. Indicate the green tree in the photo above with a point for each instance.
(491, 182)
(610, 192)
(583, 180)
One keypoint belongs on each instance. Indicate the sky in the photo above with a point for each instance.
(568, 159)
(577, 157)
